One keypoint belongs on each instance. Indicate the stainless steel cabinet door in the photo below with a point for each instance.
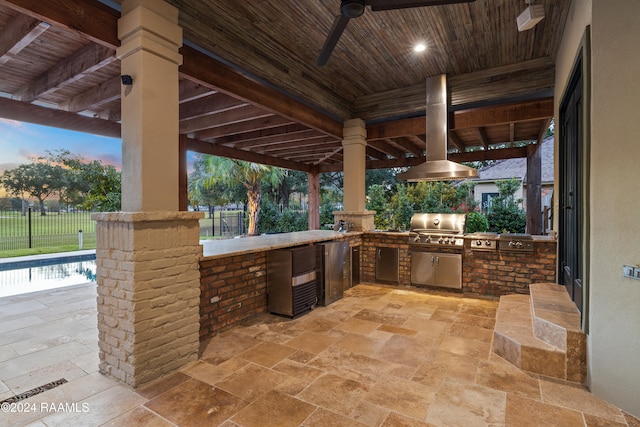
(387, 264)
(423, 268)
(449, 271)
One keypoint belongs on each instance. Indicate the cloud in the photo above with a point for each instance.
(11, 123)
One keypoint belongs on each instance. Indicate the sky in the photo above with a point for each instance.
(20, 142)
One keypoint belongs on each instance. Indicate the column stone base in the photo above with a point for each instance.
(361, 221)
(148, 293)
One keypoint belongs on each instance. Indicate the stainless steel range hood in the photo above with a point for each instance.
(437, 167)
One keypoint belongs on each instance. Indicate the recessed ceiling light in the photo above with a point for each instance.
(420, 47)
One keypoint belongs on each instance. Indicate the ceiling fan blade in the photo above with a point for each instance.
(377, 5)
(339, 24)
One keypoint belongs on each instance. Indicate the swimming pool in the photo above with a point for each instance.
(43, 274)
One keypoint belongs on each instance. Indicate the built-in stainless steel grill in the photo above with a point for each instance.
(483, 241)
(515, 242)
(437, 229)
(437, 241)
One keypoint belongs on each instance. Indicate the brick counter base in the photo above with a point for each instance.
(484, 273)
(232, 289)
(499, 273)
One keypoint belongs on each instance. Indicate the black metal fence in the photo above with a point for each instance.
(223, 224)
(28, 228)
(73, 229)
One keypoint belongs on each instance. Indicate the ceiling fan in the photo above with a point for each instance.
(354, 8)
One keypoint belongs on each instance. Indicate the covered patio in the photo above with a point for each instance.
(241, 80)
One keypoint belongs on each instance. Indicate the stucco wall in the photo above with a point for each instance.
(614, 302)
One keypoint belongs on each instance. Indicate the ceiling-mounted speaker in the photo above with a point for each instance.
(528, 19)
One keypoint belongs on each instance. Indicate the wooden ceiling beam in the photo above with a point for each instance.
(376, 154)
(397, 128)
(543, 130)
(90, 18)
(25, 112)
(237, 115)
(96, 96)
(260, 134)
(385, 147)
(502, 114)
(481, 155)
(512, 133)
(247, 156)
(85, 60)
(19, 32)
(207, 105)
(294, 136)
(207, 71)
(266, 122)
(190, 91)
(322, 143)
(328, 156)
(411, 144)
(456, 142)
(482, 137)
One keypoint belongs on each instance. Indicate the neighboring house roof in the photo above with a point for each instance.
(517, 168)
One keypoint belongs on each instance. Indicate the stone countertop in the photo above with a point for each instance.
(267, 242)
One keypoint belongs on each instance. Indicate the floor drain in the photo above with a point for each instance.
(34, 391)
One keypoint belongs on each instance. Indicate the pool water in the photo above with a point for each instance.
(45, 277)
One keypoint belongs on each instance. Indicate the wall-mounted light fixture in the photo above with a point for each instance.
(127, 80)
(533, 14)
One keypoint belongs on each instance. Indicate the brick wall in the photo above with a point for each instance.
(483, 273)
(148, 285)
(233, 289)
(499, 273)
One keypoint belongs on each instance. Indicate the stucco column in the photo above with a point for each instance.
(354, 145)
(148, 256)
(150, 38)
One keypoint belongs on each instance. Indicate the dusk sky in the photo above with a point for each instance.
(19, 142)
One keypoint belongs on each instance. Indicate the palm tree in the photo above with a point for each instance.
(221, 170)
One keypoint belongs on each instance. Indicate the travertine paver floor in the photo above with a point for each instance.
(381, 356)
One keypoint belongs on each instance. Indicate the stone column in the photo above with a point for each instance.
(148, 256)
(354, 145)
(150, 38)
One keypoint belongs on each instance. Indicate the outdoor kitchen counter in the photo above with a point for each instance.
(245, 245)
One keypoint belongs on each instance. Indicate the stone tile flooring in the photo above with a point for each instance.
(381, 356)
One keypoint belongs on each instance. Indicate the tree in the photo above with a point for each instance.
(90, 184)
(506, 215)
(377, 201)
(38, 179)
(250, 175)
(201, 192)
(401, 207)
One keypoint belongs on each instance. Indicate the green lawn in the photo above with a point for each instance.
(50, 233)
(59, 232)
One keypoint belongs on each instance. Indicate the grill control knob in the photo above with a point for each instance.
(478, 242)
(427, 239)
(416, 239)
(487, 242)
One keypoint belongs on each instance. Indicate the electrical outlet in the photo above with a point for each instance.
(628, 271)
(636, 273)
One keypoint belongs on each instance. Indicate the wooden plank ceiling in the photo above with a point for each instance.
(250, 88)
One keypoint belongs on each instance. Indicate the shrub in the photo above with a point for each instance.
(477, 222)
